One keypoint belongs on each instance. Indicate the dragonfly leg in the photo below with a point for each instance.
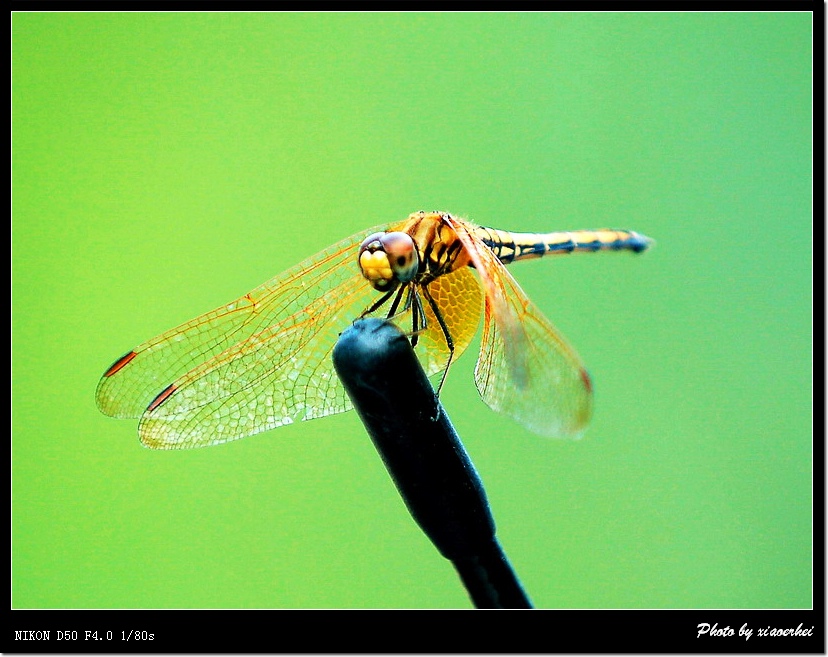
(413, 303)
(393, 310)
(376, 304)
(416, 308)
(379, 303)
(418, 318)
(449, 341)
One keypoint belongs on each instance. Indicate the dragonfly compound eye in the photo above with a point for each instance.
(386, 259)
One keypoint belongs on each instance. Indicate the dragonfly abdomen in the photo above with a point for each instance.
(509, 246)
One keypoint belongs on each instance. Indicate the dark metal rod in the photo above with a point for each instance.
(425, 458)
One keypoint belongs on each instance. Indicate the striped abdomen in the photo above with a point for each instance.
(508, 246)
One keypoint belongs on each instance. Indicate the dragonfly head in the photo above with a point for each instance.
(388, 259)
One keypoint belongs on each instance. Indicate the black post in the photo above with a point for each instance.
(425, 458)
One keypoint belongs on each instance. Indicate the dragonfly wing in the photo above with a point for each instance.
(280, 375)
(458, 297)
(134, 381)
(526, 369)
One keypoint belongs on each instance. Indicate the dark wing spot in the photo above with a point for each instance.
(586, 380)
(162, 396)
(120, 363)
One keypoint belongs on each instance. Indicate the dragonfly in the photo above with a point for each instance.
(264, 360)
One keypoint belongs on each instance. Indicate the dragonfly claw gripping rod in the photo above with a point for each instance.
(425, 458)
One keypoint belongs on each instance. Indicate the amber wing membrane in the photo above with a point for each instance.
(257, 363)
(526, 369)
(460, 301)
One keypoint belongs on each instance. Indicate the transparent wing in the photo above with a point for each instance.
(526, 369)
(259, 362)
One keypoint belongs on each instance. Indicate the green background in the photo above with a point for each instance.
(165, 164)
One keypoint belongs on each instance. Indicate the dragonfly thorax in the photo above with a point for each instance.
(388, 259)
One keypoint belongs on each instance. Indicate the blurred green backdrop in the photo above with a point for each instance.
(166, 163)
